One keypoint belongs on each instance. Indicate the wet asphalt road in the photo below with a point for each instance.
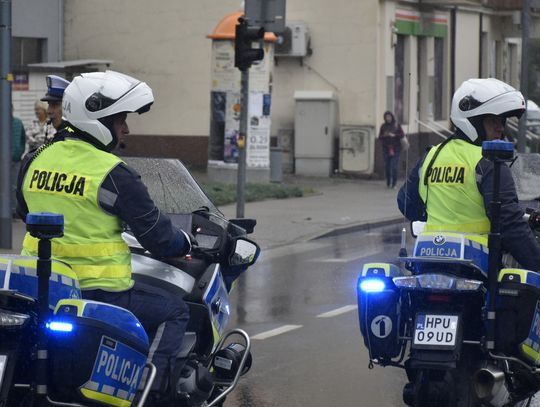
(299, 305)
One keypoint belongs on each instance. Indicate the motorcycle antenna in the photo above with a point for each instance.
(403, 247)
(498, 152)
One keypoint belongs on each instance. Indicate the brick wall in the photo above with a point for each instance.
(191, 150)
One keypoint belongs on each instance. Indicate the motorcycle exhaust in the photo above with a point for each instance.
(490, 388)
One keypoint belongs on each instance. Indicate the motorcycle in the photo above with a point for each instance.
(465, 330)
(60, 350)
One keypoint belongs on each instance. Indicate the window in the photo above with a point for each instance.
(439, 80)
(399, 80)
(26, 51)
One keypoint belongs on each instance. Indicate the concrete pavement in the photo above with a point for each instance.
(339, 205)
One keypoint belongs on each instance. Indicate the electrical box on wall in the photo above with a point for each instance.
(356, 149)
(294, 41)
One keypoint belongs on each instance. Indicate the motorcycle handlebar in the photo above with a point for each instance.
(533, 218)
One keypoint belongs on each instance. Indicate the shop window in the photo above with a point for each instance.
(26, 51)
(439, 89)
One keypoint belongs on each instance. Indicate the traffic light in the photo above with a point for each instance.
(244, 55)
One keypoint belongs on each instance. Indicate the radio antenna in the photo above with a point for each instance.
(403, 248)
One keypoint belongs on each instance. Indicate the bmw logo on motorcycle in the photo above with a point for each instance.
(439, 240)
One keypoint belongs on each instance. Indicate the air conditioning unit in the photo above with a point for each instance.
(294, 41)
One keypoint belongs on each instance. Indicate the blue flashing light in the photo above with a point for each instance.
(45, 218)
(57, 326)
(498, 145)
(372, 285)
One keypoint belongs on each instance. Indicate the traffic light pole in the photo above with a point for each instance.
(524, 80)
(244, 56)
(5, 124)
(242, 138)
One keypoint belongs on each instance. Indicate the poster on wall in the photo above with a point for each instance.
(259, 74)
(225, 97)
(258, 143)
(217, 125)
(225, 77)
(232, 127)
(20, 81)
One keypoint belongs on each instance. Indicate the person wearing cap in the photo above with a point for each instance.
(55, 91)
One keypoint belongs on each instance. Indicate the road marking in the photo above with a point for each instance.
(332, 260)
(338, 311)
(275, 332)
(357, 255)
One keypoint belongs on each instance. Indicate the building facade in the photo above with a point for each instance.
(404, 56)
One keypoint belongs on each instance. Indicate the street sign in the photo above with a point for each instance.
(269, 14)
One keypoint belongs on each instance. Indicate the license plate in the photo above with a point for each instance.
(3, 363)
(435, 331)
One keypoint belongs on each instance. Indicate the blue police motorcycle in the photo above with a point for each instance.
(466, 332)
(60, 350)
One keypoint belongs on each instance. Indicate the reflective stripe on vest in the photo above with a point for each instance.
(65, 178)
(454, 202)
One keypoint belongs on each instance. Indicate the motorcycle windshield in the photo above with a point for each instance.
(526, 174)
(170, 185)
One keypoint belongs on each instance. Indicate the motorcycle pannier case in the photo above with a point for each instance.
(518, 314)
(378, 310)
(97, 353)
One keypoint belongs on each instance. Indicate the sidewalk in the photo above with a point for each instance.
(338, 206)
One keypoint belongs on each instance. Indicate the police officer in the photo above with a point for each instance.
(96, 191)
(56, 86)
(451, 186)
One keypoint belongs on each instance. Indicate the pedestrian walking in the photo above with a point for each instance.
(391, 135)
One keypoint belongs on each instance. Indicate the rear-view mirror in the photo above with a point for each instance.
(245, 253)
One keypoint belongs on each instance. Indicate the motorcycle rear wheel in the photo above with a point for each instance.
(452, 389)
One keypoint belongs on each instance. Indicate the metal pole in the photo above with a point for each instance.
(5, 124)
(481, 46)
(242, 141)
(494, 259)
(453, 28)
(44, 269)
(524, 80)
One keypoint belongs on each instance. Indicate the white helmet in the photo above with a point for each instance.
(93, 98)
(477, 98)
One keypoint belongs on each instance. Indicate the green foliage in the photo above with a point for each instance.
(223, 194)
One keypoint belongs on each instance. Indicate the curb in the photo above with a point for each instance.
(358, 227)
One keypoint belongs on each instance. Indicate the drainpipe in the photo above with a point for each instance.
(481, 46)
(453, 17)
(61, 30)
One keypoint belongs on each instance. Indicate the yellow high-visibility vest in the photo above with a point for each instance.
(65, 178)
(453, 201)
